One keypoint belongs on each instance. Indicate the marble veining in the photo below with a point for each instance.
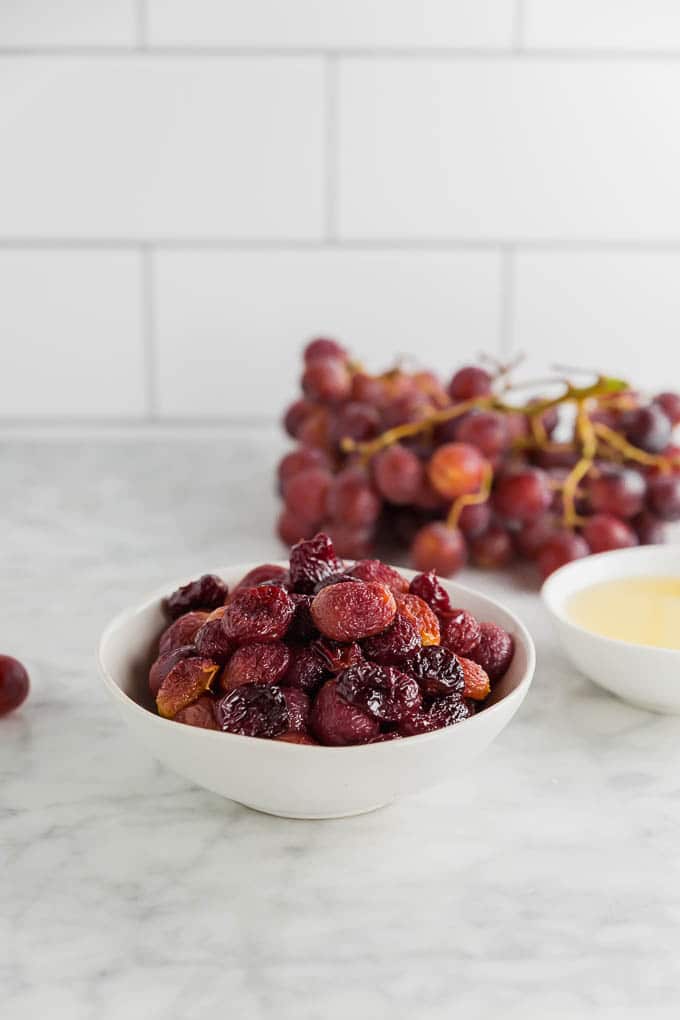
(545, 882)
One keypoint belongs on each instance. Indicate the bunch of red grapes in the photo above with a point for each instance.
(464, 472)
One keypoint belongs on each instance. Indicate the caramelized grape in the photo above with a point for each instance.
(395, 646)
(417, 611)
(14, 684)
(561, 548)
(456, 469)
(523, 495)
(444, 711)
(259, 663)
(338, 655)
(494, 650)
(164, 663)
(210, 639)
(376, 570)
(381, 691)
(299, 708)
(184, 684)
(307, 669)
(206, 593)
(311, 561)
(437, 670)
(182, 631)
(470, 382)
(460, 631)
(335, 722)
(254, 710)
(398, 474)
(429, 588)
(270, 572)
(200, 713)
(604, 531)
(258, 614)
(349, 612)
(476, 684)
(438, 547)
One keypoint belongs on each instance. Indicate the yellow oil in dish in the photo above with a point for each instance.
(644, 610)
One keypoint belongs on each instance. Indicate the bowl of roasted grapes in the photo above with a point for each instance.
(319, 687)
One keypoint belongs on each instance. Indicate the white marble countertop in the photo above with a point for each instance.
(545, 883)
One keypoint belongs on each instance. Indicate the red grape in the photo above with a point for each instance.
(369, 389)
(561, 548)
(456, 469)
(300, 459)
(475, 518)
(670, 405)
(649, 428)
(356, 421)
(291, 529)
(296, 414)
(532, 536)
(352, 543)
(327, 378)
(306, 494)
(523, 495)
(398, 474)
(470, 382)
(487, 430)
(322, 347)
(407, 408)
(603, 532)
(493, 548)
(617, 490)
(438, 547)
(664, 497)
(14, 684)
(650, 530)
(352, 499)
(314, 430)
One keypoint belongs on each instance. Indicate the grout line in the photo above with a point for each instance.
(354, 52)
(331, 149)
(507, 311)
(378, 244)
(149, 334)
(518, 23)
(142, 26)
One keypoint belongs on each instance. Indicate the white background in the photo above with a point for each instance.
(191, 188)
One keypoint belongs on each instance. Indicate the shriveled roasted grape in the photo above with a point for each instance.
(263, 613)
(352, 499)
(429, 588)
(184, 684)
(343, 578)
(382, 692)
(165, 662)
(206, 593)
(603, 532)
(494, 650)
(438, 547)
(437, 671)
(311, 561)
(470, 382)
(398, 474)
(200, 713)
(254, 710)
(299, 707)
(560, 548)
(617, 490)
(523, 495)
(419, 613)
(493, 548)
(460, 631)
(210, 639)
(349, 612)
(307, 669)
(263, 662)
(14, 684)
(395, 646)
(376, 570)
(476, 683)
(271, 572)
(182, 631)
(338, 655)
(456, 469)
(445, 711)
(336, 723)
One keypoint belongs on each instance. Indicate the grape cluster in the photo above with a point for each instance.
(466, 472)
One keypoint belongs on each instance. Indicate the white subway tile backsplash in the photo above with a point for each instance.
(37, 23)
(407, 23)
(70, 334)
(509, 149)
(161, 147)
(604, 24)
(230, 326)
(616, 312)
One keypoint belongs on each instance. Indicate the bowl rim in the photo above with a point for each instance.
(556, 606)
(124, 616)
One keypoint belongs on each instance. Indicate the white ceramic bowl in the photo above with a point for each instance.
(646, 676)
(294, 780)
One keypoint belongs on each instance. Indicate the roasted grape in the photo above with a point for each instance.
(263, 613)
(182, 631)
(437, 671)
(336, 722)
(429, 588)
(442, 712)
(14, 684)
(254, 710)
(205, 594)
(419, 613)
(258, 663)
(311, 561)
(460, 631)
(349, 612)
(394, 646)
(382, 692)
(494, 650)
(376, 570)
(184, 684)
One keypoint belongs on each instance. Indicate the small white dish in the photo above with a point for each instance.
(293, 780)
(644, 675)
